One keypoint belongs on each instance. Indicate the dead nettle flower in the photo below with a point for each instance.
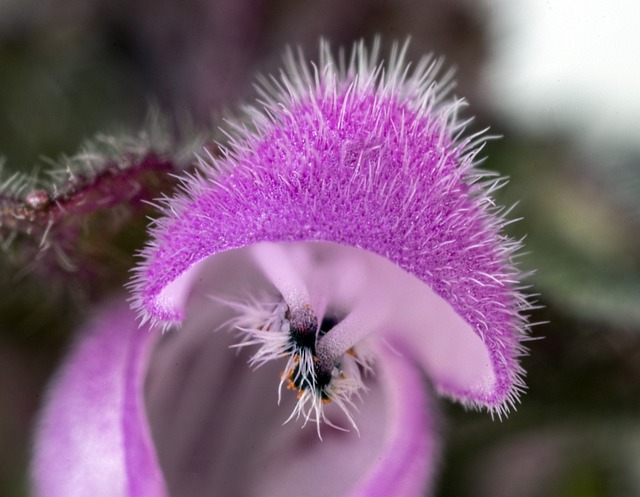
(345, 245)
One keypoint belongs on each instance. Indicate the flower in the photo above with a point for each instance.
(347, 247)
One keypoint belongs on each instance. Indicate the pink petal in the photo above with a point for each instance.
(395, 453)
(219, 429)
(216, 423)
(92, 437)
(406, 466)
(366, 159)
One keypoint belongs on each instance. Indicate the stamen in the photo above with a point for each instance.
(357, 325)
(279, 333)
(338, 386)
(317, 382)
(303, 328)
(264, 324)
(276, 264)
(325, 359)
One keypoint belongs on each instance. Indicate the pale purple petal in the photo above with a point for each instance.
(407, 465)
(92, 436)
(217, 423)
(396, 450)
(365, 158)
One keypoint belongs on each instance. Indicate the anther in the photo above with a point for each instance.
(303, 328)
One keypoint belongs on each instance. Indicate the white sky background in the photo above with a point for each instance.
(572, 65)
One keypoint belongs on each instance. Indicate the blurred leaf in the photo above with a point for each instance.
(584, 253)
(59, 86)
(542, 456)
(618, 174)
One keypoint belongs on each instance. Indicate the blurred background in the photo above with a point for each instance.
(559, 81)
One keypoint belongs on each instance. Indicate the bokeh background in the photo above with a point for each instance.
(559, 81)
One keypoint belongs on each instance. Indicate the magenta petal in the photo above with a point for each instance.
(92, 437)
(367, 158)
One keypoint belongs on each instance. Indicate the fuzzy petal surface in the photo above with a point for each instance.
(365, 156)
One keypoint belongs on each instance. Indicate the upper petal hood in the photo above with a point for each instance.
(360, 157)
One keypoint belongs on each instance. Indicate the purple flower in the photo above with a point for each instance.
(347, 248)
